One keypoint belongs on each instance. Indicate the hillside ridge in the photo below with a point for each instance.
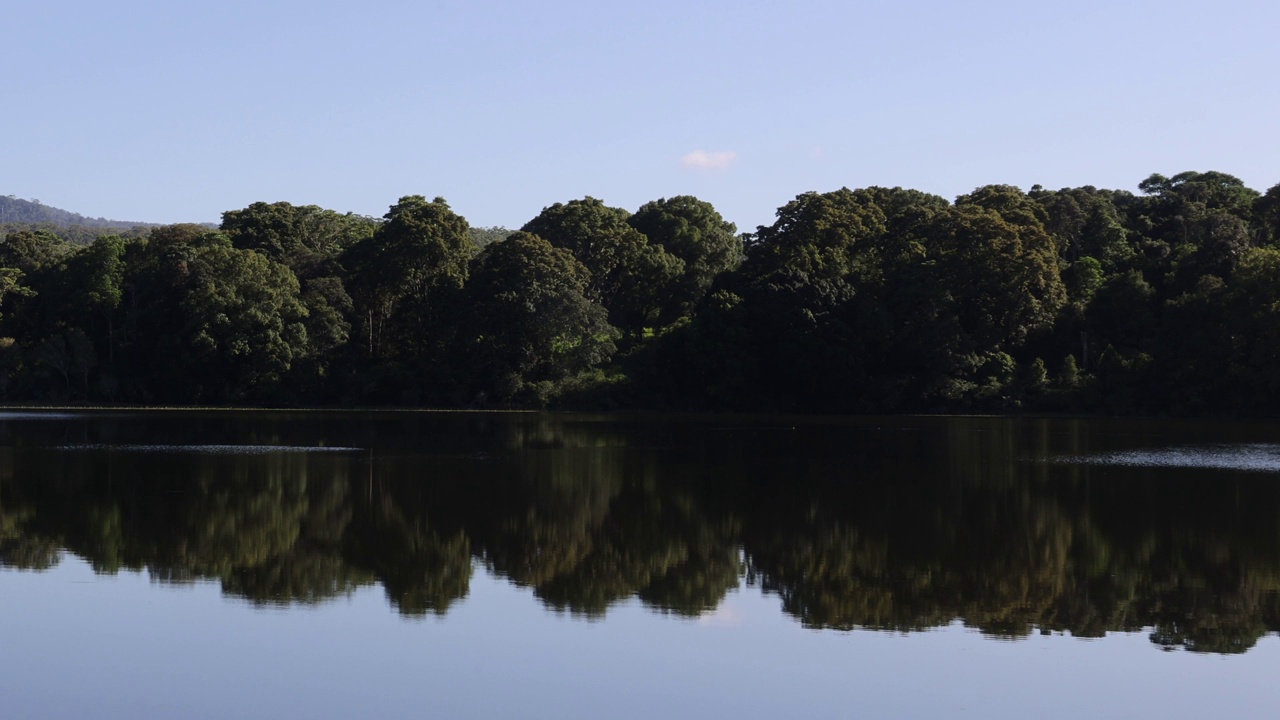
(33, 212)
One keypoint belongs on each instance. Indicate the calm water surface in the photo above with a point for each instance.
(572, 566)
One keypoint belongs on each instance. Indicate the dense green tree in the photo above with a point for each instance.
(999, 264)
(482, 236)
(421, 250)
(691, 230)
(245, 320)
(96, 278)
(1124, 311)
(1182, 198)
(1195, 225)
(328, 309)
(869, 300)
(529, 318)
(210, 322)
(707, 362)
(829, 235)
(1086, 223)
(1249, 324)
(310, 241)
(632, 278)
(1267, 213)
(808, 288)
(29, 251)
(303, 237)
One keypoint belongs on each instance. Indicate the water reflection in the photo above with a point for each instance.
(896, 525)
(1254, 457)
(205, 449)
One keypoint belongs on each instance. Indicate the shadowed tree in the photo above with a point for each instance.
(244, 318)
(304, 237)
(1267, 213)
(630, 277)
(209, 322)
(422, 250)
(692, 230)
(529, 319)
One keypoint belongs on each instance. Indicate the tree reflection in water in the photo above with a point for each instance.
(915, 524)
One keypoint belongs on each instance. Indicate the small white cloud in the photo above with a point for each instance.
(724, 616)
(703, 160)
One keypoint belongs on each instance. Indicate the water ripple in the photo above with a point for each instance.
(1258, 457)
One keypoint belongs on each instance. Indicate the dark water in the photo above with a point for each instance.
(561, 566)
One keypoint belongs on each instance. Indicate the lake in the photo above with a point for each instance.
(531, 565)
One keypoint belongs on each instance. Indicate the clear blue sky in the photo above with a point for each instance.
(174, 111)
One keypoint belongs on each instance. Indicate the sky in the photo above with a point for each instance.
(178, 111)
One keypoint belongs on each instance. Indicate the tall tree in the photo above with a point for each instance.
(692, 230)
(831, 235)
(96, 276)
(1001, 262)
(1086, 223)
(529, 319)
(630, 277)
(796, 314)
(209, 322)
(422, 249)
(303, 237)
(245, 320)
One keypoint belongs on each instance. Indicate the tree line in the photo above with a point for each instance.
(873, 300)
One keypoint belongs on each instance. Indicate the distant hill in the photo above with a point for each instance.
(32, 212)
(17, 215)
(485, 235)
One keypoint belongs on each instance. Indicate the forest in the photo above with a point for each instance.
(877, 300)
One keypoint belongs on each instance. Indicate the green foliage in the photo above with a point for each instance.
(29, 251)
(1082, 279)
(691, 230)
(1000, 270)
(867, 300)
(1124, 310)
(11, 285)
(207, 322)
(530, 320)
(483, 236)
(633, 279)
(245, 321)
(1069, 376)
(302, 237)
(1191, 193)
(328, 309)
(396, 276)
(829, 235)
(1086, 223)
(1266, 211)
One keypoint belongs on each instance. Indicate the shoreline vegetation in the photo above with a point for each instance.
(1077, 301)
